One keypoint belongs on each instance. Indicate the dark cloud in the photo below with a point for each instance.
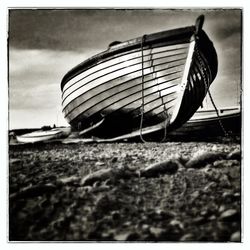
(79, 29)
(227, 32)
(226, 24)
(82, 29)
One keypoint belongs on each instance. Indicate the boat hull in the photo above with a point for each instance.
(40, 135)
(207, 124)
(140, 83)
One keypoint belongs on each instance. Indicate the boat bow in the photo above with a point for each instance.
(142, 83)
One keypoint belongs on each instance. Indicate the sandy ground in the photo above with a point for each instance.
(118, 192)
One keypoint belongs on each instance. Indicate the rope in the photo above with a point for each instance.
(217, 112)
(165, 112)
(143, 103)
(142, 91)
(163, 104)
(209, 93)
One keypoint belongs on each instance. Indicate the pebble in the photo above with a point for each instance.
(234, 155)
(145, 227)
(100, 175)
(225, 163)
(229, 215)
(121, 236)
(212, 217)
(210, 186)
(222, 208)
(235, 237)
(227, 194)
(133, 236)
(201, 159)
(127, 223)
(99, 163)
(157, 232)
(164, 214)
(107, 235)
(219, 164)
(33, 191)
(68, 180)
(204, 212)
(187, 237)
(195, 195)
(128, 236)
(199, 220)
(15, 161)
(166, 167)
(237, 195)
(176, 223)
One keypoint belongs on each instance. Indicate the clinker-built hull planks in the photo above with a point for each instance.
(150, 83)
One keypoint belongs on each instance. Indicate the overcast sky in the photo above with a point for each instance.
(45, 44)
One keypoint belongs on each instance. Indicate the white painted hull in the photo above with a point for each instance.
(38, 136)
(167, 73)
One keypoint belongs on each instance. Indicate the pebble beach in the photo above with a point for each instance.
(128, 192)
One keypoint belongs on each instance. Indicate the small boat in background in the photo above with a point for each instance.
(152, 83)
(43, 135)
(206, 123)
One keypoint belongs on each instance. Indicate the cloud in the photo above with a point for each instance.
(32, 67)
(83, 29)
(34, 81)
(225, 23)
(21, 118)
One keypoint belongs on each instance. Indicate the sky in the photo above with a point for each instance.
(44, 44)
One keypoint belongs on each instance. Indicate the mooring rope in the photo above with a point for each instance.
(143, 103)
(165, 113)
(142, 91)
(217, 112)
(209, 93)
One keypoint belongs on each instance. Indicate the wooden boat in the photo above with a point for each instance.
(43, 135)
(141, 86)
(206, 123)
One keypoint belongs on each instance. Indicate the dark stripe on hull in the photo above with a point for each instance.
(120, 62)
(123, 74)
(103, 101)
(132, 79)
(126, 97)
(170, 37)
